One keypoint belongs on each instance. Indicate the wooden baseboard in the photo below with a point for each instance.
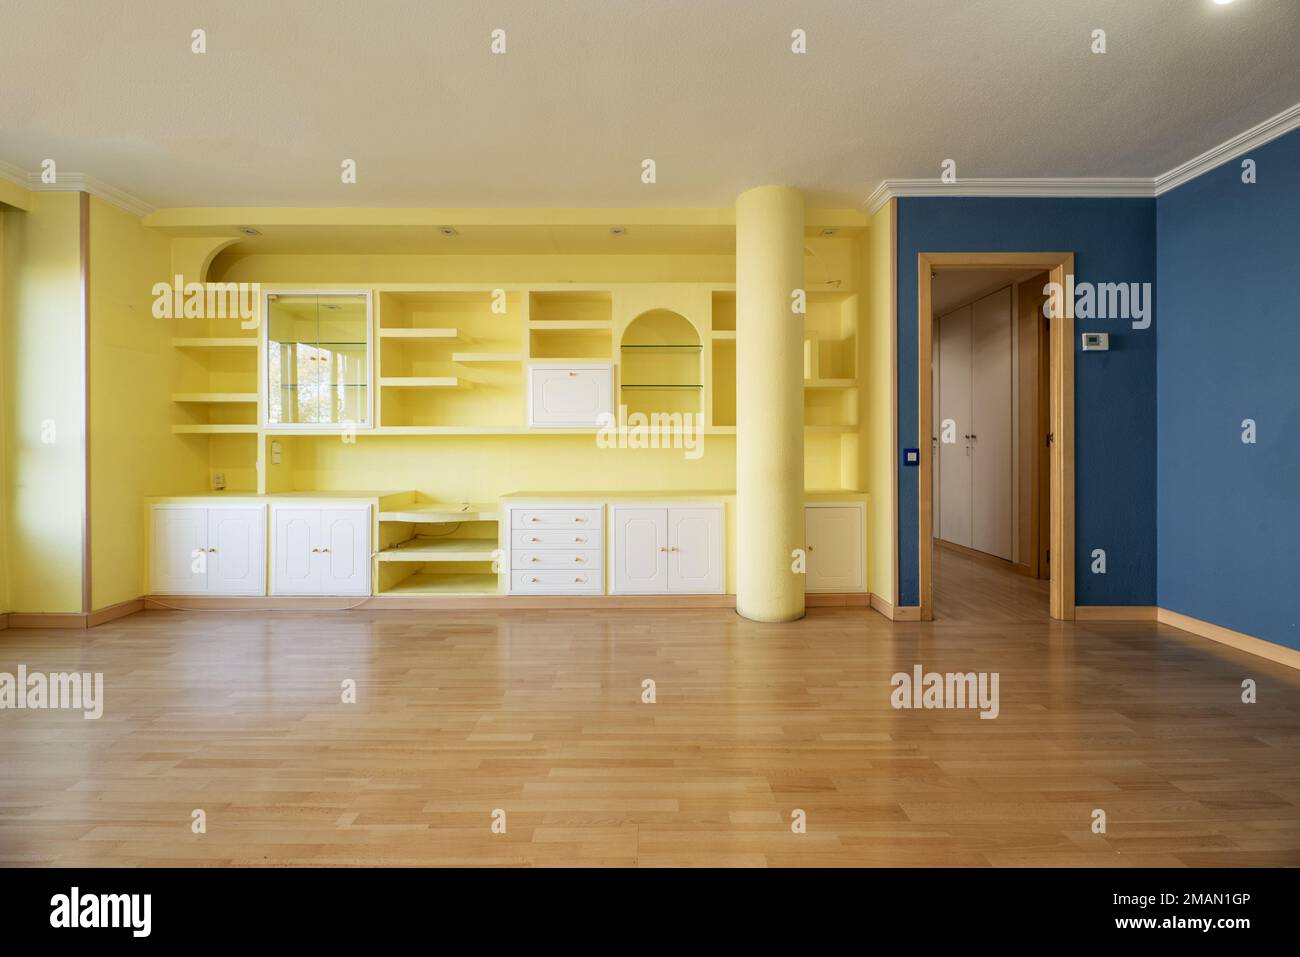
(1226, 636)
(837, 599)
(114, 612)
(895, 612)
(72, 619)
(975, 554)
(4, 620)
(1114, 613)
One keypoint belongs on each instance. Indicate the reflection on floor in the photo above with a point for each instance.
(540, 715)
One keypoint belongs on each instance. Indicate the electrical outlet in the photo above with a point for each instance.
(218, 480)
(275, 452)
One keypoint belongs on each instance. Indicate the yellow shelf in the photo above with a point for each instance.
(456, 584)
(830, 428)
(439, 512)
(467, 357)
(420, 382)
(427, 548)
(215, 342)
(830, 383)
(561, 324)
(431, 333)
(213, 429)
(214, 397)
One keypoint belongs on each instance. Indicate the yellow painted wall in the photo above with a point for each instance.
(4, 474)
(878, 452)
(43, 414)
(133, 451)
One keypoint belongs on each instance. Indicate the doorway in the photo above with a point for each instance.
(996, 384)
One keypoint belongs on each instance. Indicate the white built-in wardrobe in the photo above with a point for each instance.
(973, 388)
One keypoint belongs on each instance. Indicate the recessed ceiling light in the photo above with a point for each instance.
(617, 231)
(1223, 3)
(249, 231)
(448, 231)
(828, 232)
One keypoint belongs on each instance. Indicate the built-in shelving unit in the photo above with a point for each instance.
(429, 382)
(438, 548)
(214, 399)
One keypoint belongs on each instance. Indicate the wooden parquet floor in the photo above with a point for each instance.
(540, 714)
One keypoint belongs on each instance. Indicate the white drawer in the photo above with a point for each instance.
(543, 537)
(570, 395)
(583, 559)
(555, 582)
(552, 518)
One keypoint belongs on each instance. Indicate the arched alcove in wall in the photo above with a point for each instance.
(661, 364)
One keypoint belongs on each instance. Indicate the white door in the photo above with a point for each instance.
(344, 554)
(834, 553)
(954, 520)
(990, 426)
(294, 570)
(640, 549)
(236, 551)
(570, 395)
(178, 550)
(695, 550)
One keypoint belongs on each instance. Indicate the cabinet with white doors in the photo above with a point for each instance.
(973, 367)
(666, 549)
(573, 395)
(556, 549)
(207, 550)
(320, 549)
(834, 557)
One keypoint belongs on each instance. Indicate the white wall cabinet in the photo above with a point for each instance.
(834, 555)
(207, 550)
(674, 549)
(320, 550)
(975, 473)
(570, 395)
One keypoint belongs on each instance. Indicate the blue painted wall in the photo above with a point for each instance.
(1113, 240)
(1228, 519)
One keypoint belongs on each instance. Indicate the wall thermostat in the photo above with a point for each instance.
(1096, 341)
(911, 456)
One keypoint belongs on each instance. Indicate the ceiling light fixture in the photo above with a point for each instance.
(248, 231)
(448, 231)
(826, 233)
(1223, 3)
(618, 231)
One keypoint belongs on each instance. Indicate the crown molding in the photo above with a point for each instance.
(1138, 186)
(1228, 150)
(1043, 186)
(76, 183)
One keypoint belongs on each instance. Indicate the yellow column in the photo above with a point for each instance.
(769, 403)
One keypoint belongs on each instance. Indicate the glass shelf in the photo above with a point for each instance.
(318, 359)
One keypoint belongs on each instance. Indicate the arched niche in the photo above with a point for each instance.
(661, 367)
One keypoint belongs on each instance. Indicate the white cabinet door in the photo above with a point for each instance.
(991, 414)
(294, 570)
(640, 549)
(834, 555)
(695, 549)
(344, 554)
(178, 550)
(954, 499)
(236, 551)
(571, 395)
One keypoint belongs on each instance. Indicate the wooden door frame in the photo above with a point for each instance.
(1059, 266)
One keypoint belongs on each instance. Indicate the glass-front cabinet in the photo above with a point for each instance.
(318, 365)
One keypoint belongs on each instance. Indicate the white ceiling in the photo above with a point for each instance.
(589, 88)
